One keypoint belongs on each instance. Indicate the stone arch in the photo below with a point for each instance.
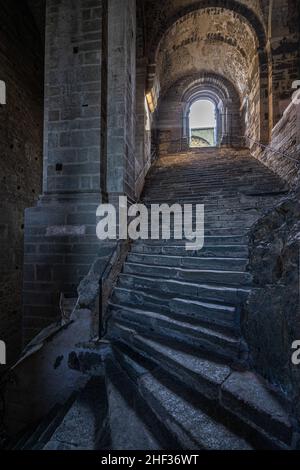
(261, 131)
(173, 126)
(222, 93)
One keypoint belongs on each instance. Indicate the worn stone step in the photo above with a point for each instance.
(229, 176)
(222, 251)
(231, 182)
(220, 239)
(238, 202)
(212, 235)
(162, 326)
(183, 417)
(224, 220)
(243, 394)
(217, 316)
(220, 277)
(180, 188)
(225, 168)
(83, 426)
(132, 425)
(227, 264)
(226, 294)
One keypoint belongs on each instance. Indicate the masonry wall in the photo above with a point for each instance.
(121, 97)
(21, 131)
(60, 232)
(283, 155)
(284, 32)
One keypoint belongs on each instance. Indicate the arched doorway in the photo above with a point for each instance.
(202, 124)
(230, 43)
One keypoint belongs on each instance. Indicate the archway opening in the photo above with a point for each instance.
(202, 124)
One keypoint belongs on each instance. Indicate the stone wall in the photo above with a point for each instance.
(21, 132)
(284, 32)
(121, 97)
(60, 232)
(89, 148)
(283, 156)
(73, 96)
(271, 321)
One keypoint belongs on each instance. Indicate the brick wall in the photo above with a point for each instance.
(21, 129)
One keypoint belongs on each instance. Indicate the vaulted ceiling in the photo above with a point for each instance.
(210, 40)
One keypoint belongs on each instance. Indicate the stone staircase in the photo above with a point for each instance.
(175, 314)
(176, 368)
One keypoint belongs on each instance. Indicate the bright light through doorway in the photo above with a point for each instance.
(202, 124)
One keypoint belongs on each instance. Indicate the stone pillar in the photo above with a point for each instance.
(121, 98)
(264, 136)
(60, 233)
(226, 137)
(185, 139)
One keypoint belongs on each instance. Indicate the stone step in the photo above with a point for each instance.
(224, 318)
(161, 179)
(180, 188)
(242, 394)
(218, 344)
(192, 426)
(38, 436)
(84, 425)
(220, 239)
(88, 414)
(206, 198)
(227, 294)
(219, 277)
(132, 424)
(222, 251)
(238, 202)
(226, 264)
(226, 220)
(213, 212)
(218, 229)
(209, 167)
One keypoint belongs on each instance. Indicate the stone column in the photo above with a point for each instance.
(121, 98)
(60, 233)
(264, 136)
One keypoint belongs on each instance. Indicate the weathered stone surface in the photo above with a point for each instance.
(21, 143)
(42, 377)
(282, 156)
(271, 322)
(83, 424)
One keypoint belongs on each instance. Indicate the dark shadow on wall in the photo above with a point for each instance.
(21, 141)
